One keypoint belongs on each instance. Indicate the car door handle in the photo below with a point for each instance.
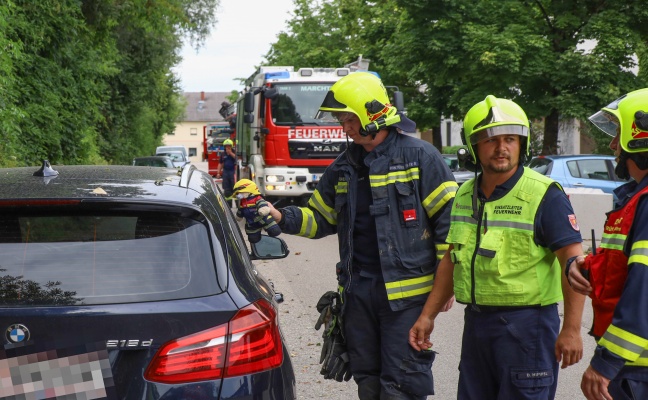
(579, 184)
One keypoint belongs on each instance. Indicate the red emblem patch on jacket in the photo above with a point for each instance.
(573, 222)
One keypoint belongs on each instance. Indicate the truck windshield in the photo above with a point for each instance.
(298, 103)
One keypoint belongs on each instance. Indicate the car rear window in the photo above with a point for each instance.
(100, 258)
(541, 165)
(150, 163)
(589, 169)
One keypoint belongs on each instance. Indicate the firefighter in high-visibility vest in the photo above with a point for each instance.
(509, 227)
(388, 198)
(618, 271)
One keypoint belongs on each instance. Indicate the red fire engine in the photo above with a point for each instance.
(215, 133)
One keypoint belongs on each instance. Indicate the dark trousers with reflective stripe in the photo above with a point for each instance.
(509, 354)
(383, 364)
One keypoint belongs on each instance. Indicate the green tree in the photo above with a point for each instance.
(315, 37)
(529, 51)
(91, 81)
(144, 101)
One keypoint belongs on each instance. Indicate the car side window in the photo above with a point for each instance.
(594, 169)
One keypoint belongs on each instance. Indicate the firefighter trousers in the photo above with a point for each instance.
(382, 362)
(228, 182)
(509, 354)
(630, 384)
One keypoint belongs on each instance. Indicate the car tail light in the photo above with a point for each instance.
(249, 343)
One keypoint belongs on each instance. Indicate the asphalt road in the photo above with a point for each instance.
(309, 271)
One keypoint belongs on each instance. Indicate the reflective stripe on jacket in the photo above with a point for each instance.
(608, 274)
(609, 266)
(410, 186)
(496, 260)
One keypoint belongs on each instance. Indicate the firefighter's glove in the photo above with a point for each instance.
(335, 359)
(327, 306)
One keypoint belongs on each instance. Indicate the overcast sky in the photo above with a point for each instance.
(241, 37)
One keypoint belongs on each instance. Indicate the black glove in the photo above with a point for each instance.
(327, 305)
(334, 357)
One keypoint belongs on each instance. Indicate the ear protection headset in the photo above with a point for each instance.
(390, 118)
(641, 120)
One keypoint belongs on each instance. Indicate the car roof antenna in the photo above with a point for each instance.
(46, 170)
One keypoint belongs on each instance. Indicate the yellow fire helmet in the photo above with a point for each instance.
(628, 116)
(245, 186)
(363, 94)
(493, 117)
(228, 142)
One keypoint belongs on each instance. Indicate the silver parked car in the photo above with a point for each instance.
(461, 175)
(178, 158)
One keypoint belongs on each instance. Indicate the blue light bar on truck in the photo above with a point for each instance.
(277, 75)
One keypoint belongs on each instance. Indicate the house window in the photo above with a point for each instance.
(193, 131)
(192, 152)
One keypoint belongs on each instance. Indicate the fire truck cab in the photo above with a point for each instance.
(281, 146)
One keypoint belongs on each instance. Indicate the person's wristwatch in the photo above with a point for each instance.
(569, 262)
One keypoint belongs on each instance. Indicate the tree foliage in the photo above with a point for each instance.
(533, 52)
(91, 81)
(333, 33)
(557, 59)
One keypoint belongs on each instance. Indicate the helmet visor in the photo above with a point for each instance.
(497, 115)
(498, 131)
(335, 117)
(606, 122)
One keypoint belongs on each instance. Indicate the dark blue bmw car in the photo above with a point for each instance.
(121, 282)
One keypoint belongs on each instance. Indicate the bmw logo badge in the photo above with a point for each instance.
(17, 333)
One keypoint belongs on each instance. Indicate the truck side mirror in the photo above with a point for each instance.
(398, 100)
(270, 93)
(248, 102)
(248, 118)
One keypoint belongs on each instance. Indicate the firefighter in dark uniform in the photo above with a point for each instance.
(388, 198)
(509, 224)
(227, 169)
(618, 271)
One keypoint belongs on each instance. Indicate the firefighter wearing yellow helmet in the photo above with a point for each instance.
(255, 209)
(388, 199)
(363, 94)
(511, 231)
(227, 168)
(618, 273)
(493, 117)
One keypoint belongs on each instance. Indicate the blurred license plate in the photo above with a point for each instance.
(49, 375)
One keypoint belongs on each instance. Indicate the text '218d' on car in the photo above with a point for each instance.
(123, 282)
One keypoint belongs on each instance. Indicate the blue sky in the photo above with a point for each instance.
(241, 37)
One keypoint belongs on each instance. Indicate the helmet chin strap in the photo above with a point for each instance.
(621, 168)
(349, 156)
(365, 133)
